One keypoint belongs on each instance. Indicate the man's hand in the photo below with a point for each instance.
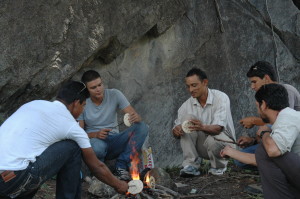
(177, 131)
(102, 134)
(225, 153)
(198, 126)
(134, 117)
(249, 122)
(122, 187)
(244, 141)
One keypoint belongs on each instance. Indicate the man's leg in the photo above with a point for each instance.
(250, 149)
(62, 158)
(213, 148)
(100, 148)
(274, 181)
(121, 145)
(189, 144)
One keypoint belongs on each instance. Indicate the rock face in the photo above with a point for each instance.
(144, 48)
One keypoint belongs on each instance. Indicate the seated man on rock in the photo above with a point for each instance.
(211, 122)
(259, 74)
(99, 120)
(42, 139)
(278, 155)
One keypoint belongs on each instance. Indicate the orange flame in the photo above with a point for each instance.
(134, 170)
(147, 180)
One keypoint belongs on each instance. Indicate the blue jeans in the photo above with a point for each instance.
(62, 159)
(120, 145)
(250, 149)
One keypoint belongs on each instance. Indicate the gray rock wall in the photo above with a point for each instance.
(144, 48)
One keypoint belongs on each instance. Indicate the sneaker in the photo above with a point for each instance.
(189, 171)
(217, 172)
(122, 174)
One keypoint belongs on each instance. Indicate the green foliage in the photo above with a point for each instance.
(173, 170)
(258, 196)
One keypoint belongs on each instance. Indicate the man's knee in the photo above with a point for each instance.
(214, 146)
(99, 147)
(142, 128)
(260, 153)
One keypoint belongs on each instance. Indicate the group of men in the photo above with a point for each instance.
(212, 135)
(42, 139)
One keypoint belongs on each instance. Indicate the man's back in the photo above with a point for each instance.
(39, 124)
(294, 96)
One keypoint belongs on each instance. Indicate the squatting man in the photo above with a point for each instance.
(278, 155)
(209, 112)
(99, 119)
(42, 139)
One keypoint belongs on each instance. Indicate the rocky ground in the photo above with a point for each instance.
(231, 185)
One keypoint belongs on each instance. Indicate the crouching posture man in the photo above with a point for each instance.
(278, 155)
(42, 139)
(99, 120)
(212, 122)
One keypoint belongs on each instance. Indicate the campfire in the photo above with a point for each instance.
(146, 184)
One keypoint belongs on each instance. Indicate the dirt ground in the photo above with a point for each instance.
(231, 185)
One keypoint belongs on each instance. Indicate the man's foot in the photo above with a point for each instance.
(122, 174)
(217, 172)
(254, 189)
(189, 171)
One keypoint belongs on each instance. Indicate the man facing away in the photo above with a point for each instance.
(259, 74)
(42, 139)
(278, 155)
(99, 120)
(212, 119)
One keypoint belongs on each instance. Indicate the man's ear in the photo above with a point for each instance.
(267, 79)
(263, 105)
(205, 82)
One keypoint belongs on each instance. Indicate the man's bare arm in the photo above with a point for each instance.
(101, 172)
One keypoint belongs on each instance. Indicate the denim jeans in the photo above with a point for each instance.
(250, 149)
(120, 145)
(62, 159)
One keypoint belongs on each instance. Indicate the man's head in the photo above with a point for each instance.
(261, 73)
(73, 94)
(196, 82)
(271, 97)
(94, 84)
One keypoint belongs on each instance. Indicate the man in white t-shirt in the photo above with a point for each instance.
(212, 127)
(42, 139)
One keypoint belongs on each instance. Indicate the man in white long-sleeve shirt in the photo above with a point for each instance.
(212, 121)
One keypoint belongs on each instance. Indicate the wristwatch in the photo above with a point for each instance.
(262, 133)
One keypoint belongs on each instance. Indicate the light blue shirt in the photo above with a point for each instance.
(104, 116)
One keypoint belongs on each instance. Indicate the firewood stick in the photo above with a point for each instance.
(115, 196)
(173, 193)
(197, 196)
(158, 191)
(144, 195)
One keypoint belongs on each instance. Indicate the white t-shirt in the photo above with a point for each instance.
(286, 131)
(215, 112)
(34, 127)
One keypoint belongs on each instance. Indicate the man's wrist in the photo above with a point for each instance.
(262, 133)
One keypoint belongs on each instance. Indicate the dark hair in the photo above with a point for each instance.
(89, 75)
(197, 71)
(262, 68)
(71, 91)
(275, 96)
